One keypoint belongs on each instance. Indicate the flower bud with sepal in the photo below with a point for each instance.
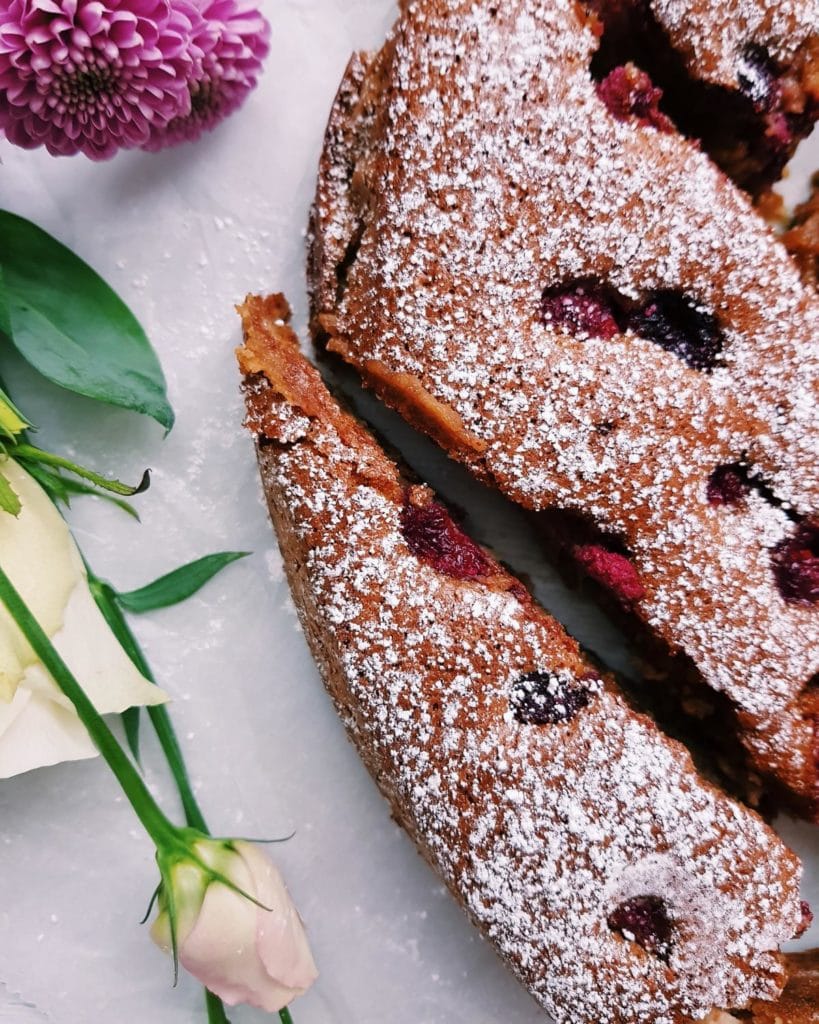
(226, 916)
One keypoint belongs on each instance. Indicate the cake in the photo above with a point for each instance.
(620, 886)
(739, 76)
(802, 236)
(799, 1003)
(575, 301)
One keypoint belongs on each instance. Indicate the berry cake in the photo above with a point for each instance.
(741, 76)
(573, 300)
(620, 886)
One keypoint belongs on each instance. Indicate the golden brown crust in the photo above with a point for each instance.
(407, 395)
(271, 350)
(799, 1003)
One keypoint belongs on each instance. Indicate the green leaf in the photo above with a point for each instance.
(52, 483)
(130, 724)
(60, 488)
(71, 326)
(178, 585)
(28, 453)
(9, 502)
(5, 317)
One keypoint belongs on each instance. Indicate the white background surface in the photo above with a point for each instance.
(183, 236)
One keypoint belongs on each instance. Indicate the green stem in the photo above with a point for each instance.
(285, 1017)
(163, 833)
(105, 598)
(30, 452)
(216, 1011)
(160, 719)
(166, 734)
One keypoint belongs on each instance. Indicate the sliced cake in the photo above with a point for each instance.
(574, 300)
(618, 885)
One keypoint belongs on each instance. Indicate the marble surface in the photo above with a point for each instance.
(183, 235)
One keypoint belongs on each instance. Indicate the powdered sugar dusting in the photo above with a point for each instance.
(714, 33)
(493, 171)
(540, 830)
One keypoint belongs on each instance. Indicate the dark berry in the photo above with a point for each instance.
(757, 78)
(807, 919)
(796, 564)
(629, 92)
(541, 698)
(612, 570)
(674, 323)
(583, 307)
(434, 537)
(727, 485)
(644, 920)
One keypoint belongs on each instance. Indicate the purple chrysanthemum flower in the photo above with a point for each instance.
(81, 76)
(233, 39)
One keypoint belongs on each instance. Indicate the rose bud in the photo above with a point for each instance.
(237, 929)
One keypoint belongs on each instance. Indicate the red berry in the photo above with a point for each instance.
(727, 485)
(612, 570)
(583, 307)
(796, 564)
(542, 698)
(676, 324)
(644, 920)
(434, 537)
(629, 92)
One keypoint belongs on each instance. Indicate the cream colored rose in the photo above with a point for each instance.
(38, 725)
(242, 952)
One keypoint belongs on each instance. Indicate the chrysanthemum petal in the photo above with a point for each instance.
(91, 76)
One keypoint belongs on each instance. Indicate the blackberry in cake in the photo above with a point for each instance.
(619, 886)
(576, 302)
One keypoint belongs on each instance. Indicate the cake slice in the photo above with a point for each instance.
(573, 300)
(617, 884)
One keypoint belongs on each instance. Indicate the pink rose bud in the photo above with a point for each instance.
(242, 951)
